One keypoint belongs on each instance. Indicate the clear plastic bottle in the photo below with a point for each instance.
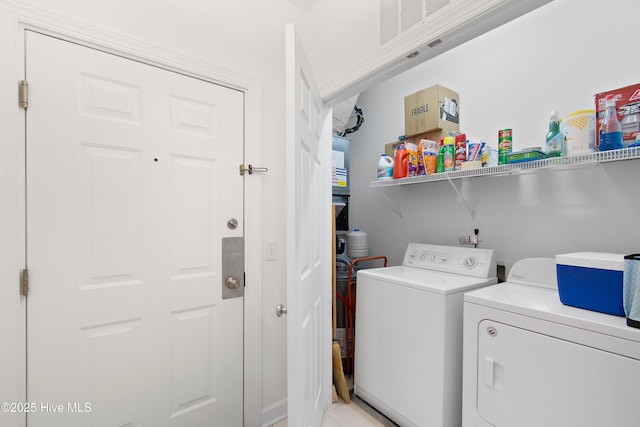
(555, 138)
(630, 123)
(610, 129)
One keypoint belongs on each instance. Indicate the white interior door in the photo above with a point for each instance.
(128, 198)
(308, 242)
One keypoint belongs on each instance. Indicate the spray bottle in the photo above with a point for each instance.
(555, 138)
(610, 129)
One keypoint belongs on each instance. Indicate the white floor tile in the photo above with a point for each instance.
(348, 415)
(344, 415)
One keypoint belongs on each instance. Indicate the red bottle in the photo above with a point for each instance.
(400, 163)
(460, 150)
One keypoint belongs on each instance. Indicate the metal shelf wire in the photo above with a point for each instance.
(557, 163)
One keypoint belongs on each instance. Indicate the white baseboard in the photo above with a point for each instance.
(274, 413)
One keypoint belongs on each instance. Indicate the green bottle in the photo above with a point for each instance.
(555, 138)
(440, 160)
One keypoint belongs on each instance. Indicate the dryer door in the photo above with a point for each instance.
(528, 379)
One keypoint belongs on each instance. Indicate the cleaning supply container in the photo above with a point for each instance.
(555, 138)
(400, 162)
(591, 280)
(385, 167)
(580, 131)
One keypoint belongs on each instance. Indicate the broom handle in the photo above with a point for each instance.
(333, 274)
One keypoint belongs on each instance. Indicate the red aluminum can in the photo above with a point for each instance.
(460, 150)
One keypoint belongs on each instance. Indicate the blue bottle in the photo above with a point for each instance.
(611, 128)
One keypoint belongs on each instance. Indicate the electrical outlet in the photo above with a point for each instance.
(471, 239)
(475, 239)
(465, 240)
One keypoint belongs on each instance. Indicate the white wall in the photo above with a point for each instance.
(556, 57)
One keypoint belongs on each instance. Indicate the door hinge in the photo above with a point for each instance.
(24, 282)
(23, 94)
(251, 169)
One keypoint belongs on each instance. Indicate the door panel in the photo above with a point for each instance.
(529, 379)
(128, 195)
(308, 242)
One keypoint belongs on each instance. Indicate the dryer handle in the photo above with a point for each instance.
(489, 365)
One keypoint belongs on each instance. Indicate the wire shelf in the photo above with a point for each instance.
(556, 163)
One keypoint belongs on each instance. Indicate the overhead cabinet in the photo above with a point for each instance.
(413, 31)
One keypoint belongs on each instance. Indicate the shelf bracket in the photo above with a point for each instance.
(393, 205)
(471, 210)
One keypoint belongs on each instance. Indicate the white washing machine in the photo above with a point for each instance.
(408, 332)
(530, 361)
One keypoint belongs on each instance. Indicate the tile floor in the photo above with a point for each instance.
(354, 414)
(345, 415)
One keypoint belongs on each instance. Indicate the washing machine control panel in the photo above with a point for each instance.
(451, 259)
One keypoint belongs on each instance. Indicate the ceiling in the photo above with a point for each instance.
(342, 39)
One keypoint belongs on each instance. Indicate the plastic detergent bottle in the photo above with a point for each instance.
(610, 129)
(555, 138)
(400, 162)
(385, 167)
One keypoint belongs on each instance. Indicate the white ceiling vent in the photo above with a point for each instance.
(398, 16)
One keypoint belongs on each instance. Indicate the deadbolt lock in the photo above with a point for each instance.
(232, 277)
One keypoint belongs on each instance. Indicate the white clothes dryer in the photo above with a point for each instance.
(408, 332)
(530, 361)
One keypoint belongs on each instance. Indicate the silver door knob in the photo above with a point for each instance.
(280, 310)
(232, 282)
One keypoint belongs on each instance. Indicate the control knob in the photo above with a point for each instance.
(470, 262)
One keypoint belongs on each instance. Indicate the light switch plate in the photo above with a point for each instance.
(270, 250)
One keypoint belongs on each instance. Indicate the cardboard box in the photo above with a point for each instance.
(390, 148)
(433, 108)
(591, 280)
(628, 105)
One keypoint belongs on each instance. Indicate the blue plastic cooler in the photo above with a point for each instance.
(591, 280)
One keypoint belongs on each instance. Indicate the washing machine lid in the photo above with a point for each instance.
(544, 303)
(426, 280)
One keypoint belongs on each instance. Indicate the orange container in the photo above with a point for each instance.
(400, 163)
(430, 164)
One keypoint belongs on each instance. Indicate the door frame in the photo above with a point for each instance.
(17, 19)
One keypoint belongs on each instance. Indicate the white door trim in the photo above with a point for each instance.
(16, 19)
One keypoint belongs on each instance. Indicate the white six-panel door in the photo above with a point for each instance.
(308, 242)
(132, 175)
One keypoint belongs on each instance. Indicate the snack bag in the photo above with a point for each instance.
(430, 161)
(412, 164)
(412, 159)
